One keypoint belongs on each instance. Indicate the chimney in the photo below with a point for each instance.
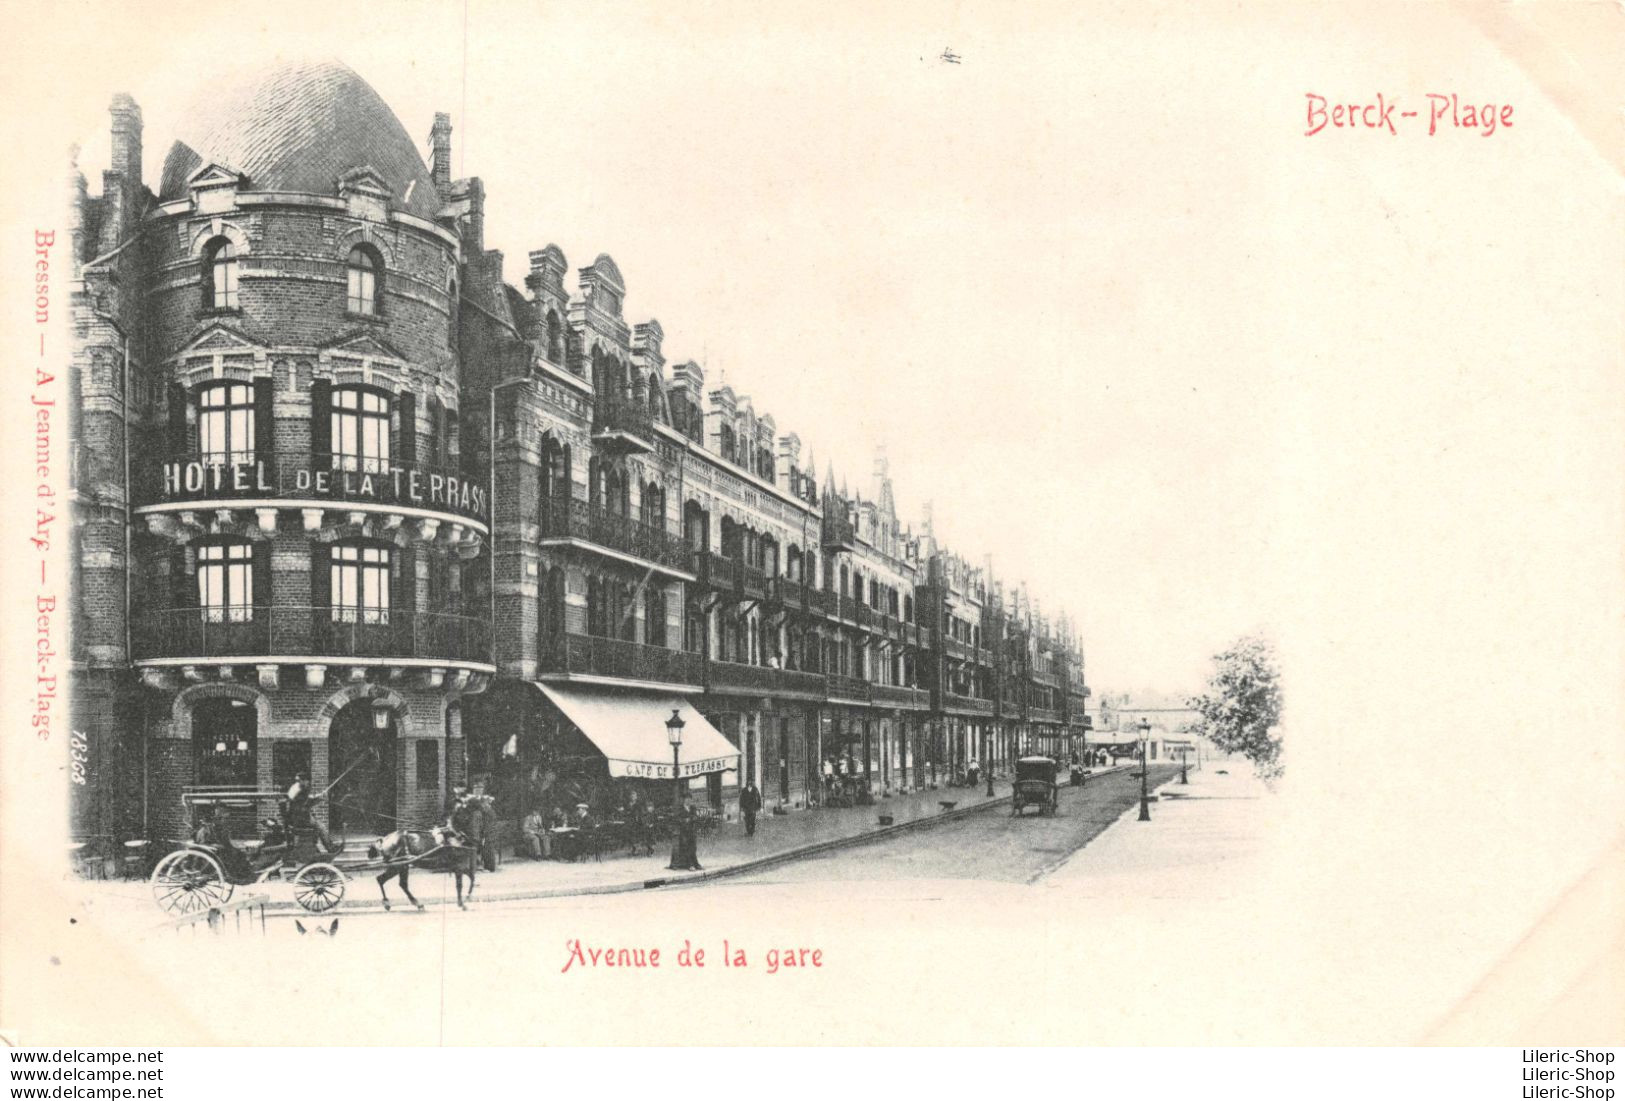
(474, 227)
(440, 154)
(126, 141)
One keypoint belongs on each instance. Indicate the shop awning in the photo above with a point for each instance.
(629, 729)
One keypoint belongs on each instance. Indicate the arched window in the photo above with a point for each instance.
(359, 579)
(225, 581)
(225, 422)
(219, 275)
(365, 281)
(360, 429)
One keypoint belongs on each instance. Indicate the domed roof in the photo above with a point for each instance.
(299, 127)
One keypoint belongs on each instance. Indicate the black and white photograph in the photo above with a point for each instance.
(724, 524)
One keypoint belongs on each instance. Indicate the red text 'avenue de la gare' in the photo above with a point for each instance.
(732, 956)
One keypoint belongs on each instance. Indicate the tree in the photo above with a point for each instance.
(1241, 711)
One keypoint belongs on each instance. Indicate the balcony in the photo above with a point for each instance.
(966, 705)
(823, 602)
(957, 649)
(786, 593)
(838, 532)
(864, 616)
(1044, 715)
(622, 426)
(735, 677)
(304, 631)
(893, 695)
(715, 571)
(589, 655)
(322, 478)
(567, 519)
(752, 582)
(838, 687)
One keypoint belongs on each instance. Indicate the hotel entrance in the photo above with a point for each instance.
(361, 758)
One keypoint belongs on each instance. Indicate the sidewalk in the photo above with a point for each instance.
(729, 849)
(1206, 840)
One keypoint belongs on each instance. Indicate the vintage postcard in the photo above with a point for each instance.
(814, 524)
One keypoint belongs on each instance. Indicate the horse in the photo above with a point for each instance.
(403, 849)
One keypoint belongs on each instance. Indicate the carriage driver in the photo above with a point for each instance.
(296, 813)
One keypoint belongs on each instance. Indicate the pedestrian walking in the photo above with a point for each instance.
(750, 804)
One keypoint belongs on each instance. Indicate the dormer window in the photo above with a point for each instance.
(364, 281)
(219, 275)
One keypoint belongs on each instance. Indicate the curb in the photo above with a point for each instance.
(781, 857)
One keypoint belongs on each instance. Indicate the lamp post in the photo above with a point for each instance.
(1184, 767)
(674, 735)
(987, 758)
(1145, 797)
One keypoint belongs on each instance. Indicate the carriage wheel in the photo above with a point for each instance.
(318, 887)
(188, 882)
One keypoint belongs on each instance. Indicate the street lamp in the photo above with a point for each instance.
(1184, 767)
(1145, 798)
(674, 735)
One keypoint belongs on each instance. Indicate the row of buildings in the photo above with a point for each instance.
(346, 502)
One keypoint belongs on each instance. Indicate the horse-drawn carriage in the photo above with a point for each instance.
(1036, 786)
(199, 876)
(202, 875)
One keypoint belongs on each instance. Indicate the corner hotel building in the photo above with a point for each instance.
(346, 502)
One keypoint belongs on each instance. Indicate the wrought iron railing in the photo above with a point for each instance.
(842, 687)
(837, 531)
(307, 630)
(823, 602)
(715, 571)
(790, 594)
(952, 701)
(613, 657)
(895, 695)
(570, 518)
(631, 417)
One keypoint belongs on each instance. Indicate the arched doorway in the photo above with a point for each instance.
(361, 758)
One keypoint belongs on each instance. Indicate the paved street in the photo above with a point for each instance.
(991, 845)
